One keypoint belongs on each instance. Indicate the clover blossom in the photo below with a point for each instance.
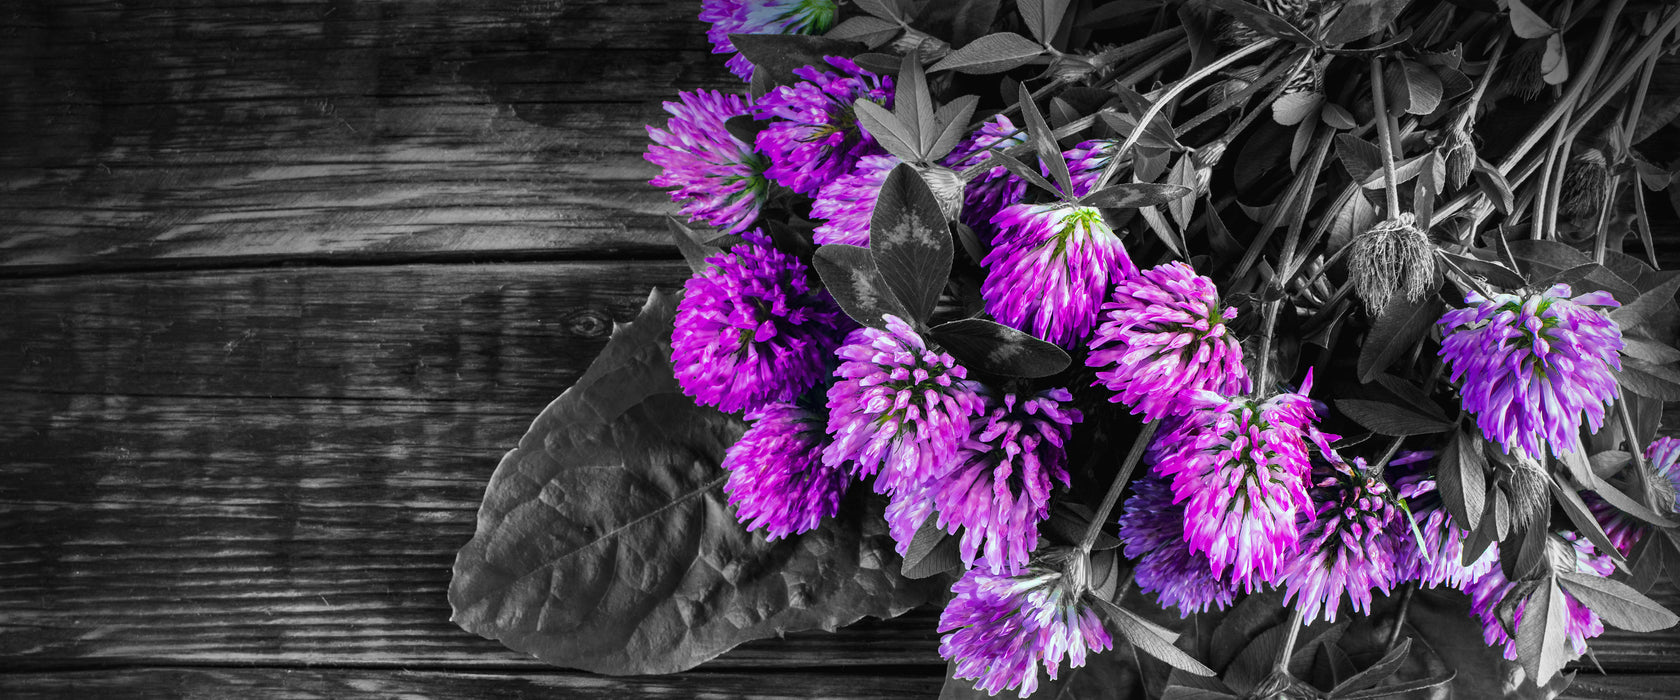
(848, 202)
(1348, 548)
(1164, 337)
(762, 17)
(1441, 560)
(1239, 466)
(719, 179)
(753, 329)
(1530, 366)
(994, 189)
(1664, 481)
(1001, 628)
(1086, 161)
(814, 136)
(1567, 552)
(1152, 529)
(898, 407)
(777, 479)
(1049, 267)
(999, 489)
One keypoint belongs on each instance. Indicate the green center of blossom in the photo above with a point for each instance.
(1077, 218)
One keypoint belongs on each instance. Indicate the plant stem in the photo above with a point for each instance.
(1465, 278)
(1400, 616)
(1385, 134)
(1282, 664)
(1632, 438)
(1578, 84)
(1172, 93)
(1118, 486)
(1263, 361)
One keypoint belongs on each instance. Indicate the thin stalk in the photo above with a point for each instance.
(1118, 486)
(1601, 234)
(1465, 278)
(1288, 650)
(1272, 73)
(1386, 136)
(1154, 64)
(1400, 616)
(1263, 362)
(1601, 46)
(1172, 93)
(1633, 445)
(1388, 454)
(1563, 145)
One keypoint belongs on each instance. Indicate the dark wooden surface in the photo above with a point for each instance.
(279, 282)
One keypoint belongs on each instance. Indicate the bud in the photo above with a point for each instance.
(1529, 489)
(1585, 182)
(1461, 151)
(1205, 159)
(1523, 76)
(931, 48)
(1394, 256)
(947, 187)
(1239, 80)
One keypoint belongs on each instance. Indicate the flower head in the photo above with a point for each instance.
(1585, 182)
(1569, 553)
(898, 408)
(848, 202)
(999, 488)
(1441, 559)
(1240, 467)
(1393, 257)
(1163, 337)
(1049, 267)
(719, 179)
(1530, 366)
(813, 136)
(1664, 455)
(1002, 627)
(777, 479)
(762, 17)
(994, 189)
(1153, 530)
(752, 329)
(1350, 547)
(1086, 162)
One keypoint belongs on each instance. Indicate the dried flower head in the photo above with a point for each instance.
(1236, 81)
(898, 407)
(777, 479)
(1049, 267)
(719, 179)
(814, 136)
(1585, 183)
(1164, 337)
(1460, 150)
(753, 329)
(1531, 366)
(762, 17)
(999, 487)
(1001, 628)
(1234, 33)
(1393, 257)
(1523, 76)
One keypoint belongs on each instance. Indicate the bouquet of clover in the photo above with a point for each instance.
(1295, 348)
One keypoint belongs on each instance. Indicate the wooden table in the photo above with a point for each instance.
(280, 281)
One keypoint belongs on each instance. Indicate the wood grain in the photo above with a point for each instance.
(210, 133)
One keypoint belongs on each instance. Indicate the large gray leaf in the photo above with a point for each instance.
(605, 541)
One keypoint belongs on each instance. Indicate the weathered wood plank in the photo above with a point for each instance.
(313, 684)
(206, 133)
(516, 334)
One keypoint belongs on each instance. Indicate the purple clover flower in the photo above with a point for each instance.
(1049, 267)
(813, 137)
(1568, 553)
(1349, 547)
(1441, 561)
(1086, 162)
(999, 488)
(762, 17)
(909, 506)
(848, 202)
(1240, 468)
(1002, 627)
(1530, 366)
(777, 480)
(1153, 530)
(899, 408)
(719, 179)
(1164, 338)
(1624, 531)
(991, 191)
(752, 329)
